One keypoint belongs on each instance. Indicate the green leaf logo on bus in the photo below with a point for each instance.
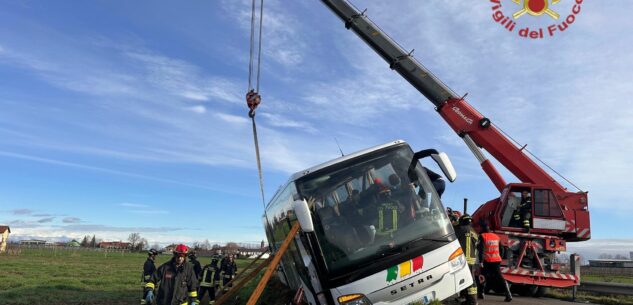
(404, 269)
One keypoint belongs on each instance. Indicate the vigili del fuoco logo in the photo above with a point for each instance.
(518, 16)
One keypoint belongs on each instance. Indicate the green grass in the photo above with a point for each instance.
(607, 278)
(565, 294)
(45, 276)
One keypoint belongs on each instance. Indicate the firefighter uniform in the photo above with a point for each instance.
(197, 268)
(148, 269)
(177, 284)
(229, 269)
(491, 257)
(207, 281)
(468, 239)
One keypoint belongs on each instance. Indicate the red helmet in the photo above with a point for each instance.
(181, 249)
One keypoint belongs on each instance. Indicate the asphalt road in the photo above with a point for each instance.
(517, 300)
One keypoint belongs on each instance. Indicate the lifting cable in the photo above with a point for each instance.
(537, 158)
(253, 99)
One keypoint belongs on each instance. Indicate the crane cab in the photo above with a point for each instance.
(529, 208)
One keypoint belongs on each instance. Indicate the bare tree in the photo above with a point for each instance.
(141, 245)
(155, 246)
(206, 245)
(605, 256)
(134, 239)
(231, 248)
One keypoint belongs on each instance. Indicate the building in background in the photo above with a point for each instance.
(4, 237)
(611, 263)
(33, 242)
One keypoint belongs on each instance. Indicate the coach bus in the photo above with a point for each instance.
(373, 230)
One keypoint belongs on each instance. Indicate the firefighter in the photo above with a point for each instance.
(229, 269)
(488, 250)
(148, 269)
(207, 282)
(525, 210)
(197, 268)
(468, 241)
(217, 275)
(176, 280)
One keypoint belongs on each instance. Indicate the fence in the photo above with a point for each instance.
(16, 249)
(587, 270)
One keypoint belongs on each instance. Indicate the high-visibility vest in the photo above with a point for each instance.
(491, 247)
(387, 219)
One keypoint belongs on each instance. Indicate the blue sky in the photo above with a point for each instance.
(122, 117)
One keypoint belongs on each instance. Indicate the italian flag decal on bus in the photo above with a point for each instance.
(406, 268)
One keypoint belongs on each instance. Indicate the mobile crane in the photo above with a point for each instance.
(557, 215)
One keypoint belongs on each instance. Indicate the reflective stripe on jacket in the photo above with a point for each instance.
(468, 241)
(178, 284)
(491, 247)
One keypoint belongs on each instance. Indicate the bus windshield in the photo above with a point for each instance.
(367, 209)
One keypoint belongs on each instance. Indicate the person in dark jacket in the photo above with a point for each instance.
(176, 279)
(229, 269)
(437, 180)
(148, 269)
(468, 240)
(197, 268)
(207, 279)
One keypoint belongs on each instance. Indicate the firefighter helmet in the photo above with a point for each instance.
(181, 249)
(465, 219)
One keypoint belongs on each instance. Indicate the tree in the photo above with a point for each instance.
(231, 248)
(206, 245)
(85, 242)
(605, 256)
(140, 245)
(155, 246)
(134, 239)
(93, 242)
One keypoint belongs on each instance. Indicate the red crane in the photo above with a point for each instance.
(557, 215)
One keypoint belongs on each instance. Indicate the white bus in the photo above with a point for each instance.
(373, 230)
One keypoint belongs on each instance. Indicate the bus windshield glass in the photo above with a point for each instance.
(367, 208)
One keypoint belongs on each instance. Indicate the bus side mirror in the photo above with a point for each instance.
(439, 157)
(445, 164)
(302, 211)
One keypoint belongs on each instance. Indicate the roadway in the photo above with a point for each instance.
(517, 300)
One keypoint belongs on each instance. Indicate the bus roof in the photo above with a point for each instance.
(302, 173)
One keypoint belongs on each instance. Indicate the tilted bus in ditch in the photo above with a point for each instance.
(374, 230)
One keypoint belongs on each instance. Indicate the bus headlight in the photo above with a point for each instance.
(457, 260)
(354, 299)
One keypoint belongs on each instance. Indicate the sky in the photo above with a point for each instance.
(129, 116)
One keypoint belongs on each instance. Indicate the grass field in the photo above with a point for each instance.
(45, 276)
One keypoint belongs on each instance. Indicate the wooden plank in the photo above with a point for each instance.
(241, 284)
(273, 265)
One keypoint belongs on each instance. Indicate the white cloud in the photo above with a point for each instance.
(133, 205)
(200, 109)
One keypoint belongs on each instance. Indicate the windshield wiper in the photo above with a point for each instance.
(442, 239)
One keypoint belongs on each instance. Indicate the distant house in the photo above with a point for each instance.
(114, 245)
(170, 248)
(4, 237)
